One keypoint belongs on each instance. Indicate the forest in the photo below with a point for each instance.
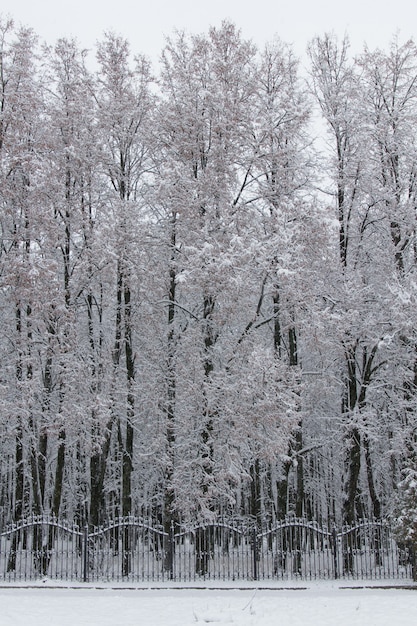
(208, 287)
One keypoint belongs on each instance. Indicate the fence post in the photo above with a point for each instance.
(171, 549)
(334, 550)
(255, 553)
(85, 553)
(413, 560)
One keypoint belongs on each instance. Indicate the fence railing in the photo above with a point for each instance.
(134, 549)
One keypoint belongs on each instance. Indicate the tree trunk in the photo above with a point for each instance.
(168, 505)
(130, 413)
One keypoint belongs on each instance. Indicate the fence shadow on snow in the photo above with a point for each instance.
(134, 549)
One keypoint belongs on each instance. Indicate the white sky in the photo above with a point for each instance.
(145, 22)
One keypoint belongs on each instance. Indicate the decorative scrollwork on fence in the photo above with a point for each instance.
(136, 549)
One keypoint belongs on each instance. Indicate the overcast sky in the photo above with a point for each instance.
(145, 22)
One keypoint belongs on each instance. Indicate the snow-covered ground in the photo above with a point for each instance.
(321, 604)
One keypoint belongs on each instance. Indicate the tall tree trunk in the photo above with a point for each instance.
(19, 490)
(297, 446)
(130, 413)
(255, 509)
(352, 439)
(376, 504)
(169, 495)
(208, 425)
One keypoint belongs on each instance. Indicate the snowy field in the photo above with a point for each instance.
(322, 604)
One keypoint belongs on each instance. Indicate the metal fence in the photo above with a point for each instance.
(136, 550)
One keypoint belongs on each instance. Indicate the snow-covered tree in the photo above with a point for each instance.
(21, 135)
(123, 106)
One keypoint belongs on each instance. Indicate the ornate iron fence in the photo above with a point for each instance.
(133, 549)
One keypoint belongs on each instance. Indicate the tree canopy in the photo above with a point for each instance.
(207, 279)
